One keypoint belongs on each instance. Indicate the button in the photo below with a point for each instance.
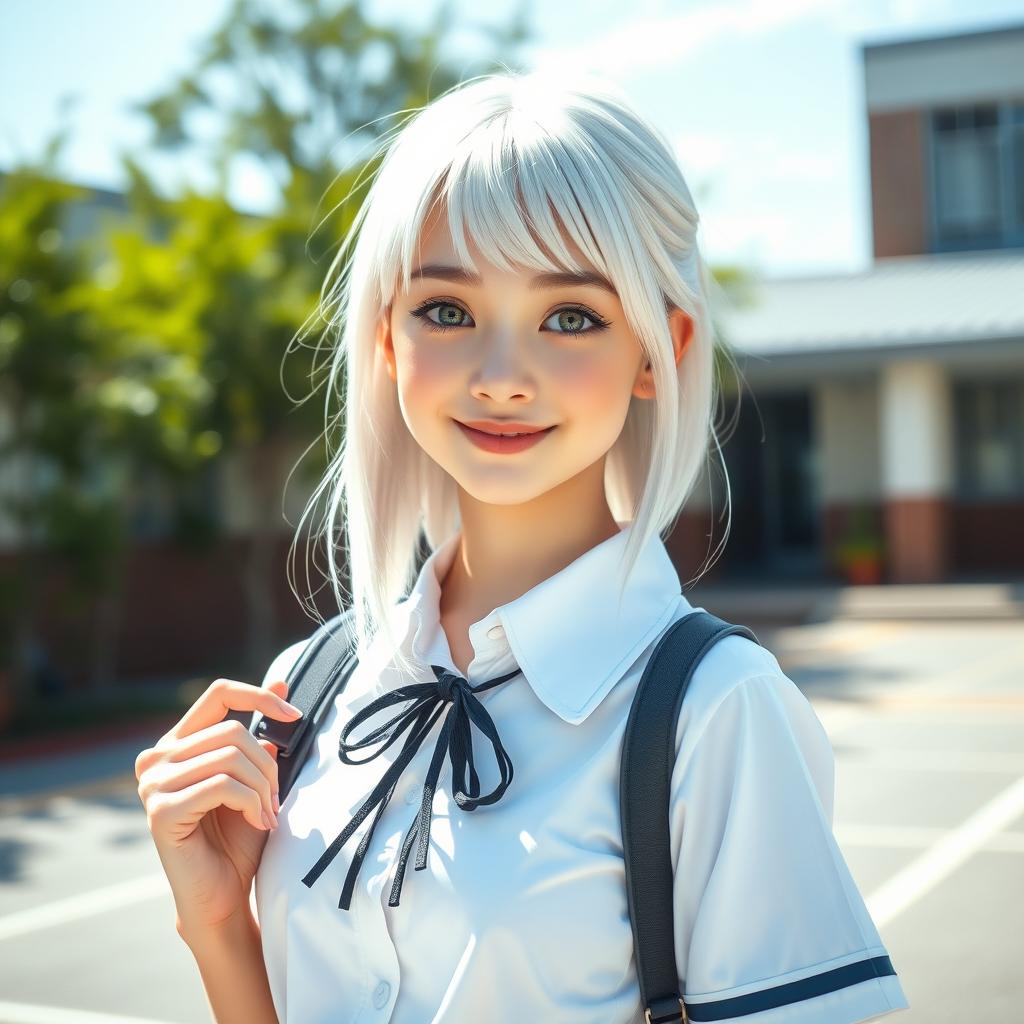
(495, 631)
(381, 994)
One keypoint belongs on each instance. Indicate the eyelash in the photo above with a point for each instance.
(420, 311)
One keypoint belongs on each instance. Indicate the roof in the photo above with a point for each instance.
(897, 303)
(992, 32)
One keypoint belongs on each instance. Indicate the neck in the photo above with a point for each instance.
(506, 550)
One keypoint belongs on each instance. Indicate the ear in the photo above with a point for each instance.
(384, 345)
(681, 327)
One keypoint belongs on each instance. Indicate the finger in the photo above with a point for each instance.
(171, 739)
(230, 732)
(224, 695)
(229, 760)
(175, 809)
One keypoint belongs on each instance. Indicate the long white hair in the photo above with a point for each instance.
(515, 158)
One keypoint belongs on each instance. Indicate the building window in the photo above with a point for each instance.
(150, 507)
(158, 504)
(990, 439)
(1017, 161)
(968, 173)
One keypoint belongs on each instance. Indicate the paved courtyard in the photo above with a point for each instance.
(927, 723)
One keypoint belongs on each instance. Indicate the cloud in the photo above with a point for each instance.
(758, 159)
(648, 44)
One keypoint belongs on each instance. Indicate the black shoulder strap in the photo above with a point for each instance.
(318, 675)
(321, 671)
(645, 773)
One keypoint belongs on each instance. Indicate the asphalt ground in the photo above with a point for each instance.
(927, 723)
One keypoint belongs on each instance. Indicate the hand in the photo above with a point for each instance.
(205, 786)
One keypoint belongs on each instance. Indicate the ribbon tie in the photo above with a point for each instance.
(429, 700)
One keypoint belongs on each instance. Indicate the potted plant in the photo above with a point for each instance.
(861, 552)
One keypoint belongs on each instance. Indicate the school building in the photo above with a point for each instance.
(887, 406)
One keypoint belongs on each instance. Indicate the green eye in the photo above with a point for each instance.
(577, 314)
(450, 312)
(445, 323)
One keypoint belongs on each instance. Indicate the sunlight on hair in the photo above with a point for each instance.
(518, 163)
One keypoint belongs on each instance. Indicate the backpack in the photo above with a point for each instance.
(648, 757)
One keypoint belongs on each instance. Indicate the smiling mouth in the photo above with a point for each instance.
(503, 443)
(505, 433)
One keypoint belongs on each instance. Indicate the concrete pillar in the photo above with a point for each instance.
(917, 468)
(846, 425)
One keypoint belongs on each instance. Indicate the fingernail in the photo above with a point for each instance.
(273, 820)
(291, 707)
(267, 822)
(277, 803)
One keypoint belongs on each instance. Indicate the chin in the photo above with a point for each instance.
(505, 492)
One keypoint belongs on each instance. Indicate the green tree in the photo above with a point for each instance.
(41, 349)
(88, 408)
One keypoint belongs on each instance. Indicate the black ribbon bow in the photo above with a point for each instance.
(429, 700)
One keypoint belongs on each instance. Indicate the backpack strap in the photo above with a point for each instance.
(320, 672)
(645, 773)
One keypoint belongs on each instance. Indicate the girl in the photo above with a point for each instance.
(526, 263)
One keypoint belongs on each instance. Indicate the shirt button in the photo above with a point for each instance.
(381, 994)
(495, 631)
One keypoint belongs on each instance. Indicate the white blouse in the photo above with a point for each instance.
(521, 913)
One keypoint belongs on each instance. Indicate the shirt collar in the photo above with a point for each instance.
(567, 634)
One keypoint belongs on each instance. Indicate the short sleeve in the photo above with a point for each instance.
(769, 923)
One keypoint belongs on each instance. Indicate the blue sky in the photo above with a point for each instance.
(762, 100)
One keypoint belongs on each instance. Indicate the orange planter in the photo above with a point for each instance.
(866, 570)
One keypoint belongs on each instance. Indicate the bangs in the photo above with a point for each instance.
(519, 192)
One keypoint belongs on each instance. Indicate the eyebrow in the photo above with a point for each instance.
(549, 279)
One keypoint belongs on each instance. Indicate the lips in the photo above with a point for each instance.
(503, 427)
(507, 445)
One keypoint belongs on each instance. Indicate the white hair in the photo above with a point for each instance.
(579, 158)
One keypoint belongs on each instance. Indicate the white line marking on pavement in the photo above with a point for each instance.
(27, 1013)
(84, 904)
(925, 872)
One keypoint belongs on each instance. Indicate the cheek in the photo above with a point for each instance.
(424, 377)
(595, 394)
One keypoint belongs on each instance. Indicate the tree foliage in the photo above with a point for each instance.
(141, 357)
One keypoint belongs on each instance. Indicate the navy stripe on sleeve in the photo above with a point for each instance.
(791, 992)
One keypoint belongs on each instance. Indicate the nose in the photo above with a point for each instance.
(503, 373)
